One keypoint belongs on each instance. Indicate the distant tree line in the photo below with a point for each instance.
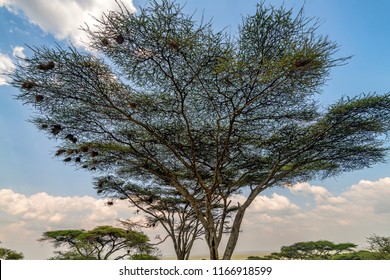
(378, 249)
(106, 242)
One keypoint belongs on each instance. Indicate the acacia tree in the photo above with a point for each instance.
(379, 249)
(173, 102)
(100, 243)
(379, 244)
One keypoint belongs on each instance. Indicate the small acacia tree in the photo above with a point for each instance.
(100, 243)
(176, 103)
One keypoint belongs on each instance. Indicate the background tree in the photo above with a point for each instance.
(100, 243)
(310, 250)
(379, 244)
(326, 250)
(378, 249)
(362, 255)
(8, 254)
(189, 106)
(163, 205)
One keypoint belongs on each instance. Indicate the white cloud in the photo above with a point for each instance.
(63, 18)
(374, 195)
(27, 217)
(6, 66)
(56, 210)
(306, 189)
(275, 203)
(18, 52)
(349, 217)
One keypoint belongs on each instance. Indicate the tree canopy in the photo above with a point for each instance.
(168, 100)
(8, 254)
(100, 243)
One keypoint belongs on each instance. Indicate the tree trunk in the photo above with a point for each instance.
(180, 255)
(212, 243)
(213, 249)
(235, 232)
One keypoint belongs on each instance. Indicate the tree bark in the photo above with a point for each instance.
(212, 243)
(234, 234)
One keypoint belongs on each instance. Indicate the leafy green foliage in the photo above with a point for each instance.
(362, 255)
(71, 255)
(101, 243)
(8, 254)
(143, 257)
(326, 250)
(311, 250)
(202, 112)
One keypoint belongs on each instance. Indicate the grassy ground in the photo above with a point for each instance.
(236, 256)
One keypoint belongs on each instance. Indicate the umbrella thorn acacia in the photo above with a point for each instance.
(312, 250)
(171, 101)
(100, 243)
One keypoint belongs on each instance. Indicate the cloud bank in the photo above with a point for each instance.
(271, 221)
(63, 18)
(24, 218)
(7, 65)
(352, 216)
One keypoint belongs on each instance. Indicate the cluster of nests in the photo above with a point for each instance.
(299, 63)
(77, 152)
(119, 39)
(29, 85)
(46, 66)
(153, 224)
(56, 129)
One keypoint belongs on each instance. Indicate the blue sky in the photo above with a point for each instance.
(28, 168)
